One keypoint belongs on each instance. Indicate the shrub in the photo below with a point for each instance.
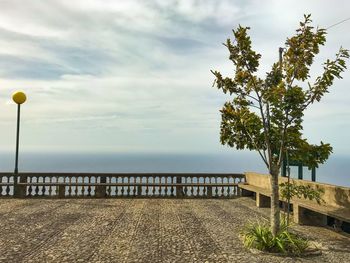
(259, 236)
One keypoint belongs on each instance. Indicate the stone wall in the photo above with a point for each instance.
(337, 196)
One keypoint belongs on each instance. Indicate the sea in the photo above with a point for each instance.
(335, 171)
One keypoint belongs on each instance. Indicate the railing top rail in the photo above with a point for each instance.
(133, 184)
(41, 174)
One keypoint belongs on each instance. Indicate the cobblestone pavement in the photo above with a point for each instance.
(142, 230)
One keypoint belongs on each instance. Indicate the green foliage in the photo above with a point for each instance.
(290, 190)
(259, 236)
(266, 115)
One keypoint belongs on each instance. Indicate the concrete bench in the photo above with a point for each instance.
(263, 195)
(310, 213)
(304, 211)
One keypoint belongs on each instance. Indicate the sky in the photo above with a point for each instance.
(134, 76)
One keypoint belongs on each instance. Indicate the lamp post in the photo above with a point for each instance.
(19, 98)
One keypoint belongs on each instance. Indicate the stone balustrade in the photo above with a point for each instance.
(65, 185)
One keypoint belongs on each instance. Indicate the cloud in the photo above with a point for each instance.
(102, 74)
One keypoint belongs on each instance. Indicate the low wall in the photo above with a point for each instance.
(337, 196)
(172, 185)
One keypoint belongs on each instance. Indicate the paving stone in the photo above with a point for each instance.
(143, 230)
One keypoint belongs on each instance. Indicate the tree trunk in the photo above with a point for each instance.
(275, 208)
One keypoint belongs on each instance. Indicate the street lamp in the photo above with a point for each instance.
(19, 98)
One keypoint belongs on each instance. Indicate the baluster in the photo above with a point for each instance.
(149, 188)
(150, 181)
(119, 189)
(210, 188)
(116, 188)
(204, 189)
(198, 190)
(92, 188)
(53, 187)
(36, 190)
(128, 187)
(157, 189)
(30, 188)
(70, 186)
(93, 180)
(235, 188)
(164, 189)
(75, 189)
(159, 186)
(159, 182)
(108, 188)
(229, 187)
(122, 188)
(3, 188)
(39, 187)
(116, 180)
(125, 181)
(154, 187)
(173, 188)
(57, 181)
(83, 186)
(43, 191)
(170, 187)
(89, 186)
(131, 187)
(234, 191)
(134, 186)
(1, 181)
(221, 189)
(8, 186)
(146, 186)
(50, 186)
(139, 187)
(197, 187)
(191, 181)
(224, 188)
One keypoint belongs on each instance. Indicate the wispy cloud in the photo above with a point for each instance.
(136, 73)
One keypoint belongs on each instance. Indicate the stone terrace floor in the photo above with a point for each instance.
(141, 230)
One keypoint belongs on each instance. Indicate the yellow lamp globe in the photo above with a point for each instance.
(19, 97)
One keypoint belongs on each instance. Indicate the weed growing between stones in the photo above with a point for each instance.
(258, 235)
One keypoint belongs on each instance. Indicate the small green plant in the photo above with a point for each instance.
(290, 190)
(259, 236)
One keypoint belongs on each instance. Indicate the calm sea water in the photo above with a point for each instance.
(335, 171)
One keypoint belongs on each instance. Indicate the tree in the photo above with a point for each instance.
(266, 115)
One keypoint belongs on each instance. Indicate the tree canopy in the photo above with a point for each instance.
(266, 115)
